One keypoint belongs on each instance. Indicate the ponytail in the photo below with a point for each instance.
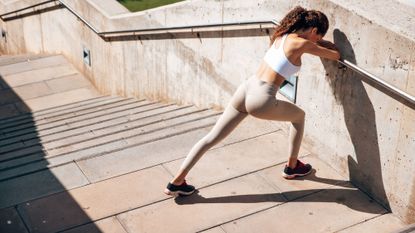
(300, 18)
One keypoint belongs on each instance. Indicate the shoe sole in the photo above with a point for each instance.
(177, 193)
(286, 176)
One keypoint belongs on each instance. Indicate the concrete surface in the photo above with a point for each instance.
(373, 137)
(240, 187)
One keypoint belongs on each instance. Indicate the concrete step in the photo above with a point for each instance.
(72, 108)
(132, 122)
(45, 125)
(66, 129)
(52, 110)
(110, 143)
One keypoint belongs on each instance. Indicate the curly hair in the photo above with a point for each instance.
(301, 18)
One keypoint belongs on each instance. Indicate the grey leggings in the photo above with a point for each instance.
(256, 98)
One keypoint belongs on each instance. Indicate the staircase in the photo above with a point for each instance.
(73, 160)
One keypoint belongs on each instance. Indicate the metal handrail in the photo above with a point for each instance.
(350, 65)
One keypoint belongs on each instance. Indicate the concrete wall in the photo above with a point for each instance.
(359, 129)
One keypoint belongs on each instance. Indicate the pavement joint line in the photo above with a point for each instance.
(90, 130)
(65, 106)
(104, 152)
(358, 223)
(221, 227)
(167, 170)
(37, 68)
(70, 117)
(21, 218)
(28, 59)
(82, 171)
(66, 124)
(75, 72)
(35, 57)
(100, 136)
(124, 227)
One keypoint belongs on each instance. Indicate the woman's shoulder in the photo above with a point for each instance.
(297, 42)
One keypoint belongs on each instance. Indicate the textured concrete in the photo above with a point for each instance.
(372, 139)
(386, 223)
(117, 186)
(41, 184)
(168, 149)
(95, 201)
(107, 225)
(327, 211)
(11, 222)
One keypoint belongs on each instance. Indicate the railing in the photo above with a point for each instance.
(134, 32)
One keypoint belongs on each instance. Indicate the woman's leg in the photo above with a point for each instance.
(269, 108)
(223, 127)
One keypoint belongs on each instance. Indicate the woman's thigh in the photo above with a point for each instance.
(270, 108)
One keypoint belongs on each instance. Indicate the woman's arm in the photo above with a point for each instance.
(322, 48)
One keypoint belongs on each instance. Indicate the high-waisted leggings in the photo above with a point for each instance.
(256, 98)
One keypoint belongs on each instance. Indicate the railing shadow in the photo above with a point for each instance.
(23, 197)
(360, 119)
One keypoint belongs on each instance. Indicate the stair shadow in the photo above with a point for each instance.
(366, 171)
(20, 196)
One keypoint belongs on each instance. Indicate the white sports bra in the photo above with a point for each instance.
(276, 59)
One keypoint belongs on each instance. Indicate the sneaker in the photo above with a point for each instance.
(300, 169)
(183, 189)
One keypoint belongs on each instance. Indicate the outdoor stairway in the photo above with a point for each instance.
(73, 160)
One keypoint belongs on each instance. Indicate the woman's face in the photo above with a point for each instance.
(314, 36)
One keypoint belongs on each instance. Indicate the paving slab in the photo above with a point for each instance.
(165, 150)
(237, 159)
(208, 208)
(29, 187)
(386, 223)
(96, 201)
(8, 110)
(32, 90)
(39, 75)
(28, 65)
(57, 99)
(329, 210)
(11, 59)
(322, 177)
(68, 82)
(106, 225)
(10, 221)
(8, 97)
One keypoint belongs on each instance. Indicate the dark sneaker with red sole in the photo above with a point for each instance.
(300, 169)
(183, 189)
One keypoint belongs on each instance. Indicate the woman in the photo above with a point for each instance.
(301, 31)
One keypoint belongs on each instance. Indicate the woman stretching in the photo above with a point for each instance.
(301, 31)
